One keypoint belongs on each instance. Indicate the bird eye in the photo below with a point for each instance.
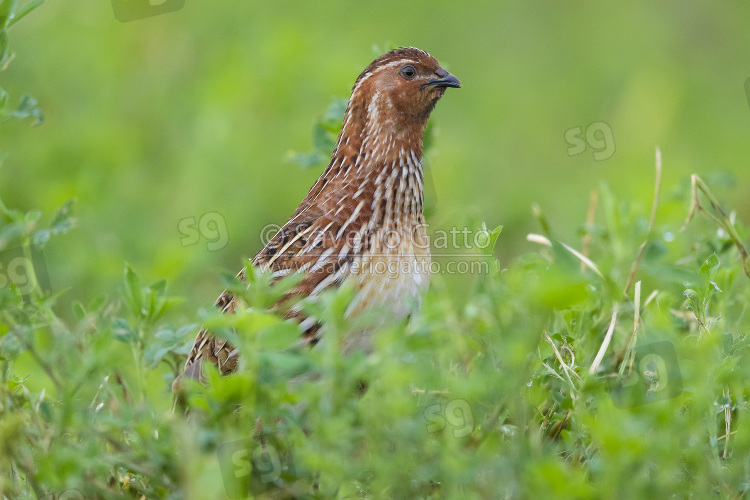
(408, 72)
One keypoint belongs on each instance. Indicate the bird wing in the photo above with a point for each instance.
(310, 242)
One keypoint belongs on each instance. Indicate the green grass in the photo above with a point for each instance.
(496, 398)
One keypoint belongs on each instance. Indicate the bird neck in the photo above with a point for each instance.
(377, 132)
(382, 156)
(377, 163)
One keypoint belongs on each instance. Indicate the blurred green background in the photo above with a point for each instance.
(167, 118)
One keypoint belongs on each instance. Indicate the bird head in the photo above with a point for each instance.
(394, 97)
(405, 82)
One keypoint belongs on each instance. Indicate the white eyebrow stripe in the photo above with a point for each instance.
(378, 69)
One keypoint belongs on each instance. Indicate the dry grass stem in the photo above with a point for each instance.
(697, 186)
(636, 321)
(591, 213)
(542, 240)
(605, 343)
(567, 369)
(654, 207)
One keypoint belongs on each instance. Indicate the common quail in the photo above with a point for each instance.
(363, 218)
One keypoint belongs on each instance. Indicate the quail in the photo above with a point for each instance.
(363, 220)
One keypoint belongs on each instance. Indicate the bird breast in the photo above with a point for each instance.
(391, 277)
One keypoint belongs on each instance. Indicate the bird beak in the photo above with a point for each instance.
(445, 80)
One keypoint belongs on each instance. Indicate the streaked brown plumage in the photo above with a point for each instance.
(362, 220)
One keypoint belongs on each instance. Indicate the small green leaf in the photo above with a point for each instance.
(24, 11)
(164, 306)
(709, 267)
(62, 221)
(28, 108)
(7, 7)
(10, 233)
(133, 291)
(121, 331)
(78, 311)
(545, 350)
(32, 217)
(96, 303)
(321, 139)
(336, 110)
(41, 237)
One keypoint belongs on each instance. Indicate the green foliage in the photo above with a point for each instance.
(10, 13)
(494, 398)
(325, 133)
